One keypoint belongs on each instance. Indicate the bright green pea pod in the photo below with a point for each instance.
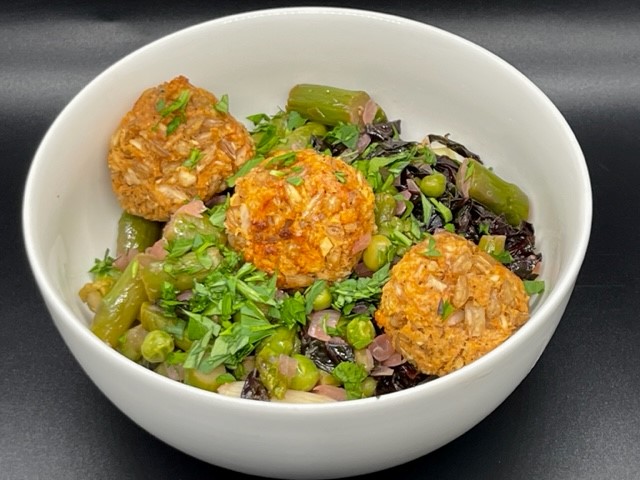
(120, 306)
(136, 233)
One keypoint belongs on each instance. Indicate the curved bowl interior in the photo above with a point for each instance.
(435, 82)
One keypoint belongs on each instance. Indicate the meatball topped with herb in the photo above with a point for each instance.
(301, 214)
(447, 303)
(178, 142)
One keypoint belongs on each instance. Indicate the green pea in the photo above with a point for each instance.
(156, 346)
(375, 256)
(322, 300)
(368, 387)
(433, 185)
(307, 374)
(281, 341)
(360, 332)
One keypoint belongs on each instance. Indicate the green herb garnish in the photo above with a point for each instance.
(445, 309)
(431, 250)
(503, 256)
(244, 169)
(344, 133)
(177, 108)
(351, 375)
(295, 181)
(222, 105)
(533, 287)
(104, 267)
(351, 290)
(340, 176)
(194, 157)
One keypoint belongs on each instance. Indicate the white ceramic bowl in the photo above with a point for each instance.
(435, 82)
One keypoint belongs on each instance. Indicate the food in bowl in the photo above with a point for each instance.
(324, 258)
(70, 213)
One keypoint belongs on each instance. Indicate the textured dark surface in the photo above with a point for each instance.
(577, 414)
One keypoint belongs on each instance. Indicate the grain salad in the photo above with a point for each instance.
(312, 255)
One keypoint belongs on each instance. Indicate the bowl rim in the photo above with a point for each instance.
(562, 288)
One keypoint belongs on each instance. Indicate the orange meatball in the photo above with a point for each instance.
(447, 303)
(174, 146)
(302, 214)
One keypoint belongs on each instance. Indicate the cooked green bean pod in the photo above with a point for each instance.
(120, 306)
(136, 233)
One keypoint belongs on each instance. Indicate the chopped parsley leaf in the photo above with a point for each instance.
(315, 289)
(533, 287)
(174, 123)
(295, 120)
(178, 104)
(351, 375)
(258, 118)
(442, 209)
(283, 160)
(244, 169)
(222, 105)
(295, 181)
(471, 166)
(349, 291)
(431, 250)
(503, 256)
(344, 133)
(194, 157)
(177, 108)
(445, 309)
(104, 267)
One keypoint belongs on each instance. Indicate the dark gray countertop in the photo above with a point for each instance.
(576, 415)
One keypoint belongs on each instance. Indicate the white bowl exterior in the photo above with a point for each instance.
(436, 83)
